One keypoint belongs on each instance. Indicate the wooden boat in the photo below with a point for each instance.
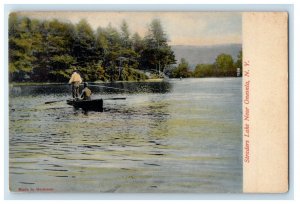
(93, 105)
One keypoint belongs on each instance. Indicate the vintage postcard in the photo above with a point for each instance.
(148, 102)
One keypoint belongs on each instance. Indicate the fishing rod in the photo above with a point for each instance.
(108, 87)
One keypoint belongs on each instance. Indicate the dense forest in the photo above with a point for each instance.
(48, 51)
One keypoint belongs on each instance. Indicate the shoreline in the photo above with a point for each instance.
(102, 82)
(66, 83)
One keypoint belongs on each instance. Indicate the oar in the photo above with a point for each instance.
(48, 102)
(121, 98)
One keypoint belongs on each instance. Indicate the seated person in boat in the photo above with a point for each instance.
(86, 92)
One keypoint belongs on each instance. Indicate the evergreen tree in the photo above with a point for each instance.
(84, 50)
(21, 44)
(54, 55)
(157, 54)
(125, 35)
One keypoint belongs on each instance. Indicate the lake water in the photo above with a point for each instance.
(180, 136)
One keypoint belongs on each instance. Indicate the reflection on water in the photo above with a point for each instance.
(181, 136)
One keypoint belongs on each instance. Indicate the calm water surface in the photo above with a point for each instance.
(177, 136)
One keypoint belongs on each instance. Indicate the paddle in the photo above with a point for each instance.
(48, 102)
(121, 98)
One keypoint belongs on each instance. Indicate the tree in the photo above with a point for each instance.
(157, 53)
(21, 44)
(48, 51)
(182, 71)
(224, 65)
(137, 43)
(118, 50)
(54, 55)
(204, 70)
(84, 49)
(125, 35)
(157, 33)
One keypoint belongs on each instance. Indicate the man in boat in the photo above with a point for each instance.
(75, 81)
(86, 92)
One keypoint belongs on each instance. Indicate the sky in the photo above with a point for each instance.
(182, 28)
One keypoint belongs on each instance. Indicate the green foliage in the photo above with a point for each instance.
(204, 70)
(125, 35)
(182, 71)
(224, 66)
(157, 54)
(48, 51)
(130, 74)
(21, 43)
(224, 62)
(84, 48)
(137, 43)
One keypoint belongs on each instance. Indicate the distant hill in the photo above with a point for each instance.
(204, 54)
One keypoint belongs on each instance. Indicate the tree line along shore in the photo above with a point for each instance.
(50, 50)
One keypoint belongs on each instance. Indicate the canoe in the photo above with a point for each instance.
(94, 105)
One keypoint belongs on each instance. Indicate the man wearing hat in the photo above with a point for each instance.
(86, 92)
